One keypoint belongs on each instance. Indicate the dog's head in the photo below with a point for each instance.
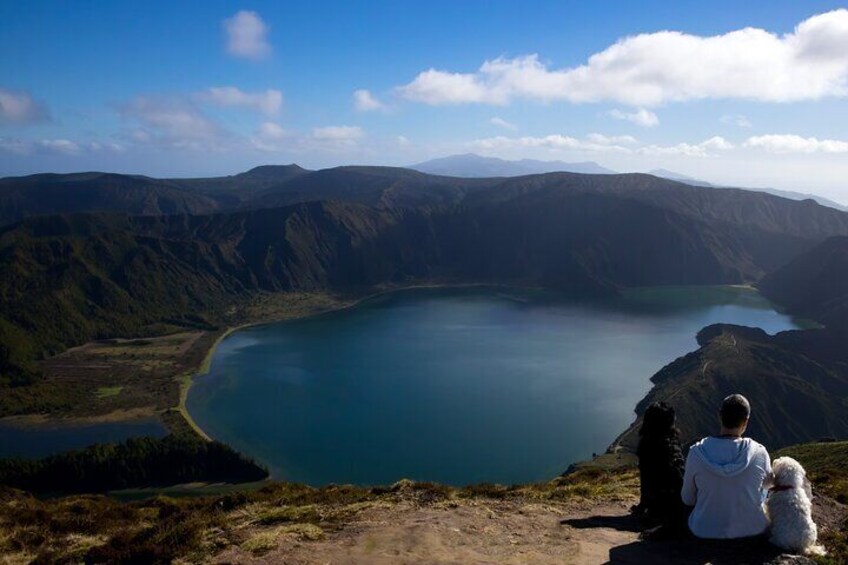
(790, 473)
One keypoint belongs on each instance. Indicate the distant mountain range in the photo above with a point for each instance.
(665, 173)
(280, 185)
(472, 165)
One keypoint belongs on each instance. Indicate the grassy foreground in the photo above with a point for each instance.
(267, 522)
(100, 529)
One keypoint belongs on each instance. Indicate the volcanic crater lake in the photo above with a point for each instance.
(453, 385)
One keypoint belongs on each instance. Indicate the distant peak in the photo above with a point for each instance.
(265, 169)
(474, 165)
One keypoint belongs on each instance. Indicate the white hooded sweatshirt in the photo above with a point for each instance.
(724, 481)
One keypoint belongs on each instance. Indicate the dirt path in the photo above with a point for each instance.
(474, 531)
(489, 531)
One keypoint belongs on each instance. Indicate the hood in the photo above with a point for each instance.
(723, 456)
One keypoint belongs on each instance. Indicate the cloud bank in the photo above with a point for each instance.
(667, 66)
(599, 143)
(788, 143)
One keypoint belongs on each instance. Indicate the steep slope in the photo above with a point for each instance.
(797, 383)
(814, 284)
(374, 186)
(74, 278)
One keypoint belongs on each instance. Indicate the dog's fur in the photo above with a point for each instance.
(789, 511)
(661, 464)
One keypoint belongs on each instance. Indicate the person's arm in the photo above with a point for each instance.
(689, 492)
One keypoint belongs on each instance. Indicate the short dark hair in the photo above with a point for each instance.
(735, 409)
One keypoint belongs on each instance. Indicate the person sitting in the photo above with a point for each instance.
(661, 472)
(725, 476)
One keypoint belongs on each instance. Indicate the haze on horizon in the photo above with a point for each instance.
(746, 95)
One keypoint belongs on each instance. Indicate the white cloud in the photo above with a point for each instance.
(403, 141)
(501, 123)
(172, 122)
(553, 141)
(55, 146)
(702, 149)
(17, 107)
(599, 143)
(641, 117)
(438, 88)
(736, 120)
(247, 36)
(654, 68)
(268, 102)
(60, 146)
(340, 134)
(364, 101)
(611, 139)
(788, 143)
(270, 137)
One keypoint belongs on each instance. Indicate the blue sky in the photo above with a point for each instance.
(746, 93)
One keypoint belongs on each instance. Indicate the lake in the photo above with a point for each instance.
(453, 385)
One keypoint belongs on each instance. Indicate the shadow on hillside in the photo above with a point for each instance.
(694, 552)
(624, 523)
(683, 551)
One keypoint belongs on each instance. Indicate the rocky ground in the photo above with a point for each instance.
(486, 530)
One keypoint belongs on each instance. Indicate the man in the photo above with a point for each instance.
(725, 476)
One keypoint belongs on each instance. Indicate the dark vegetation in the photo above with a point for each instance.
(797, 382)
(815, 284)
(69, 279)
(137, 462)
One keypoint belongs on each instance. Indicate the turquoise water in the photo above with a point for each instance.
(40, 441)
(456, 386)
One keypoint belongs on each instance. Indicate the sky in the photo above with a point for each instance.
(738, 93)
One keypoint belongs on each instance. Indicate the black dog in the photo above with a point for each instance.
(661, 464)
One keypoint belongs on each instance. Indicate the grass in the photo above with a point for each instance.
(107, 391)
(826, 464)
(827, 468)
(195, 528)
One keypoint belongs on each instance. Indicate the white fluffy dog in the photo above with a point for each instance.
(788, 507)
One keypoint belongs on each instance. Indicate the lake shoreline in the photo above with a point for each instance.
(223, 414)
(187, 379)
